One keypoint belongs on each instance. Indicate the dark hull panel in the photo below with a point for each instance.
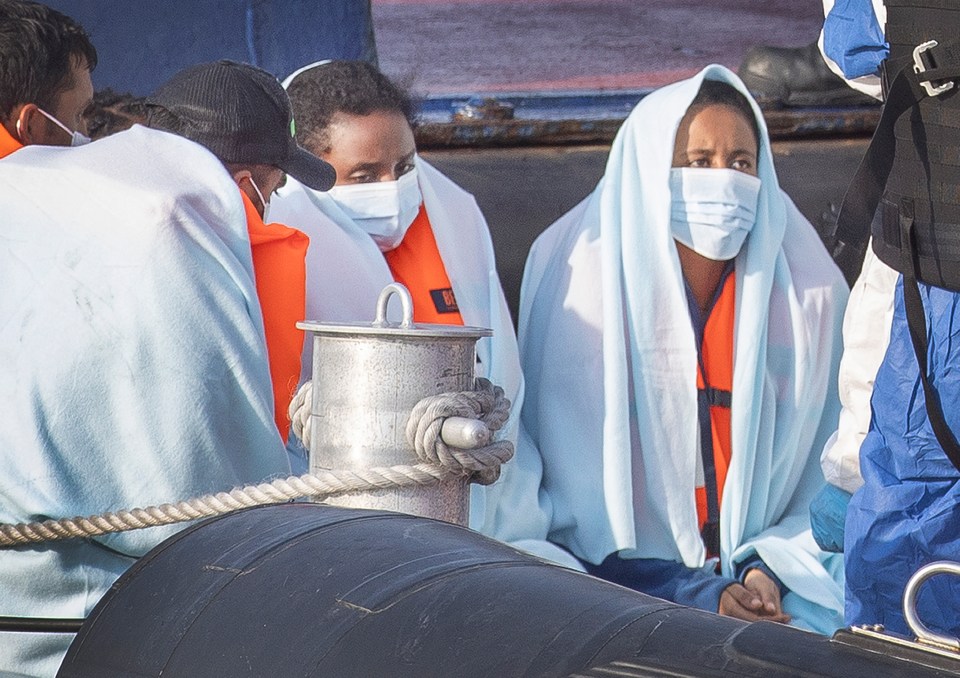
(309, 590)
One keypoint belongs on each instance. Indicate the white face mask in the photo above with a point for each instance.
(266, 205)
(384, 209)
(712, 210)
(76, 138)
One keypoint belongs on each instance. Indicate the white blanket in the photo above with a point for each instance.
(135, 369)
(346, 272)
(609, 356)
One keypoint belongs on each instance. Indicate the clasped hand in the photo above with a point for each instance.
(757, 598)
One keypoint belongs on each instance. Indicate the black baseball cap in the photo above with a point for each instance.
(242, 115)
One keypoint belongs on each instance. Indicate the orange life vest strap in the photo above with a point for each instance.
(416, 263)
(279, 255)
(717, 355)
(7, 143)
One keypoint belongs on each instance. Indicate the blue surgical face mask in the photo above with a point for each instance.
(76, 138)
(384, 209)
(712, 210)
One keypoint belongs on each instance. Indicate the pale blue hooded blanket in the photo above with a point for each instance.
(134, 363)
(607, 459)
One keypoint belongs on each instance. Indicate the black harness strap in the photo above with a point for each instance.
(940, 63)
(865, 190)
(917, 325)
(708, 397)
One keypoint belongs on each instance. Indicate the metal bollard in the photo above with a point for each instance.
(367, 379)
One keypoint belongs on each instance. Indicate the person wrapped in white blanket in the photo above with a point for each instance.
(391, 217)
(621, 447)
(135, 364)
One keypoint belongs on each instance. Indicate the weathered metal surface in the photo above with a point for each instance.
(366, 381)
(454, 46)
(552, 119)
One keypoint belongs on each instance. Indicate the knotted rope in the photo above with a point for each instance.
(486, 404)
(300, 411)
(440, 462)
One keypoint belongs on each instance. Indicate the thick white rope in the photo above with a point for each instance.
(487, 403)
(440, 462)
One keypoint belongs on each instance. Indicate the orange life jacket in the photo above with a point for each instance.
(279, 254)
(416, 263)
(7, 143)
(717, 354)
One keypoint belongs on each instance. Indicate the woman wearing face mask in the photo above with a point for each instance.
(679, 334)
(391, 217)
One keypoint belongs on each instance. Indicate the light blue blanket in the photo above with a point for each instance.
(134, 364)
(607, 462)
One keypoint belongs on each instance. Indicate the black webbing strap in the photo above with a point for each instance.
(865, 190)
(917, 325)
(859, 205)
(942, 63)
(707, 397)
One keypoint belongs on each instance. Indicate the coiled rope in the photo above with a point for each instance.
(439, 462)
(487, 404)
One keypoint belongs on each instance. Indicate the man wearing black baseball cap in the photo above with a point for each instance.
(242, 115)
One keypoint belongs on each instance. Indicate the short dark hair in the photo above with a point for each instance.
(38, 46)
(351, 87)
(723, 93)
(111, 112)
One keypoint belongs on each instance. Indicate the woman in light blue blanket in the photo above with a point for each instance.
(679, 333)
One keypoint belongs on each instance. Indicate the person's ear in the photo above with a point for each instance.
(247, 188)
(238, 178)
(240, 175)
(31, 125)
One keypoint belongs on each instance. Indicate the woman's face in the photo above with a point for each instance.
(716, 136)
(370, 148)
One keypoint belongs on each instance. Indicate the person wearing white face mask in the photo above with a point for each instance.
(383, 209)
(392, 217)
(45, 84)
(679, 334)
(713, 210)
(77, 138)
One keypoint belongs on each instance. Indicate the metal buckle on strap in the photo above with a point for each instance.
(919, 67)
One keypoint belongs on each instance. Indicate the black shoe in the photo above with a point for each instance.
(796, 76)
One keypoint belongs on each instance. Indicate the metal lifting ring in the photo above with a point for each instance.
(925, 635)
(405, 301)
